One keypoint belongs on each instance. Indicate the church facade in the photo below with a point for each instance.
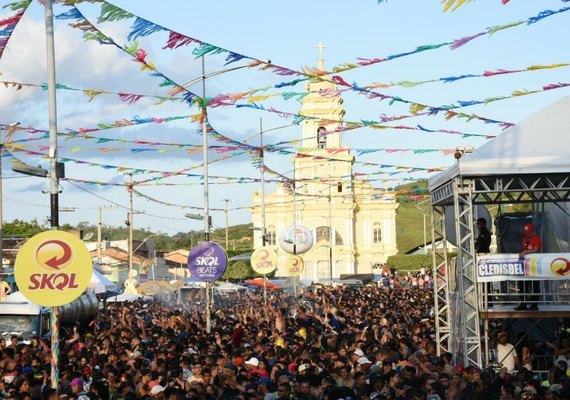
(353, 224)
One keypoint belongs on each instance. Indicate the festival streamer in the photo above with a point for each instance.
(141, 54)
(92, 93)
(90, 32)
(8, 25)
(177, 40)
(167, 174)
(165, 203)
(458, 3)
(316, 74)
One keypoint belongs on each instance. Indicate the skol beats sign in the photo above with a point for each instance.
(53, 268)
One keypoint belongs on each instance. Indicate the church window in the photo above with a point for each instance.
(322, 233)
(270, 236)
(321, 137)
(377, 233)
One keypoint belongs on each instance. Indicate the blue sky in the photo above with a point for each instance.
(286, 34)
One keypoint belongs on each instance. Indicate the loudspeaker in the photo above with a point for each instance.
(510, 231)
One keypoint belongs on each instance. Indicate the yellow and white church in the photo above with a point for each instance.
(353, 224)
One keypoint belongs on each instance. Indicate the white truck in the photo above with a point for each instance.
(29, 320)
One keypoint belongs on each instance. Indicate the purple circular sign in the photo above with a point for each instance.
(207, 261)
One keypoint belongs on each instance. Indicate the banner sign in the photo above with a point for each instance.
(53, 268)
(540, 266)
(207, 261)
(264, 260)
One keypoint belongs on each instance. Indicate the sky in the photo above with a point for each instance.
(97, 162)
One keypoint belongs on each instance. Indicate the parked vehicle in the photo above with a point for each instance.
(28, 320)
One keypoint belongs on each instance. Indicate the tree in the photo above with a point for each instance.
(19, 228)
(238, 271)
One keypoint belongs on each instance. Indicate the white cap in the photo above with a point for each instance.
(303, 367)
(359, 352)
(364, 360)
(156, 389)
(253, 361)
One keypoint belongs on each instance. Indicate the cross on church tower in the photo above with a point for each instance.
(321, 62)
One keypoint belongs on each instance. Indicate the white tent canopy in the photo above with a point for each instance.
(223, 287)
(533, 146)
(100, 284)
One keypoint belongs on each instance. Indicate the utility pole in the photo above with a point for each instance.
(53, 176)
(226, 210)
(99, 241)
(206, 193)
(130, 225)
(263, 230)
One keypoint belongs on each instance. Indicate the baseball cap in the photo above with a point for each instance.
(387, 362)
(528, 228)
(77, 382)
(303, 367)
(86, 370)
(359, 352)
(364, 360)
(264, 381)
(231, 366)
(252, 361)
(156, 389)
(555, 388)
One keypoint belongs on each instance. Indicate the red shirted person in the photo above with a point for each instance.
(531, 243)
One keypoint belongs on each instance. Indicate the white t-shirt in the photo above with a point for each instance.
(506, 355)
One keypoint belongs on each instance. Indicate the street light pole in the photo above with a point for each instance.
(99, 238)
(53, 176)
(226, 210)
(130, 225)
(206, 193)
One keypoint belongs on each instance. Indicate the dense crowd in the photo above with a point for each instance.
(333, 342)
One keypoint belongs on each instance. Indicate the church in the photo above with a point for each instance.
(353, 224)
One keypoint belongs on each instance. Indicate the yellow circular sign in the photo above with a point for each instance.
(560, 266)
(264, 260)
(295, 265)
(53, 268)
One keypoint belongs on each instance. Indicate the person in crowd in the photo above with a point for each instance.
(323, 344)
(483, 242)
(531, 244)
(507, 356)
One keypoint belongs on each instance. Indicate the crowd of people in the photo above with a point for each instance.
(323, 343)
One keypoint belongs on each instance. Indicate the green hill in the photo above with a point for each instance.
(414, 204)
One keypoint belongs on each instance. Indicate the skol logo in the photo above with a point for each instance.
(264, 260)
(53, 256)
(560, 266)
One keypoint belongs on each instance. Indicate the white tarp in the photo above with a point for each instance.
(534, 146)
(100, 284)
(229, 287)
(128, 297)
